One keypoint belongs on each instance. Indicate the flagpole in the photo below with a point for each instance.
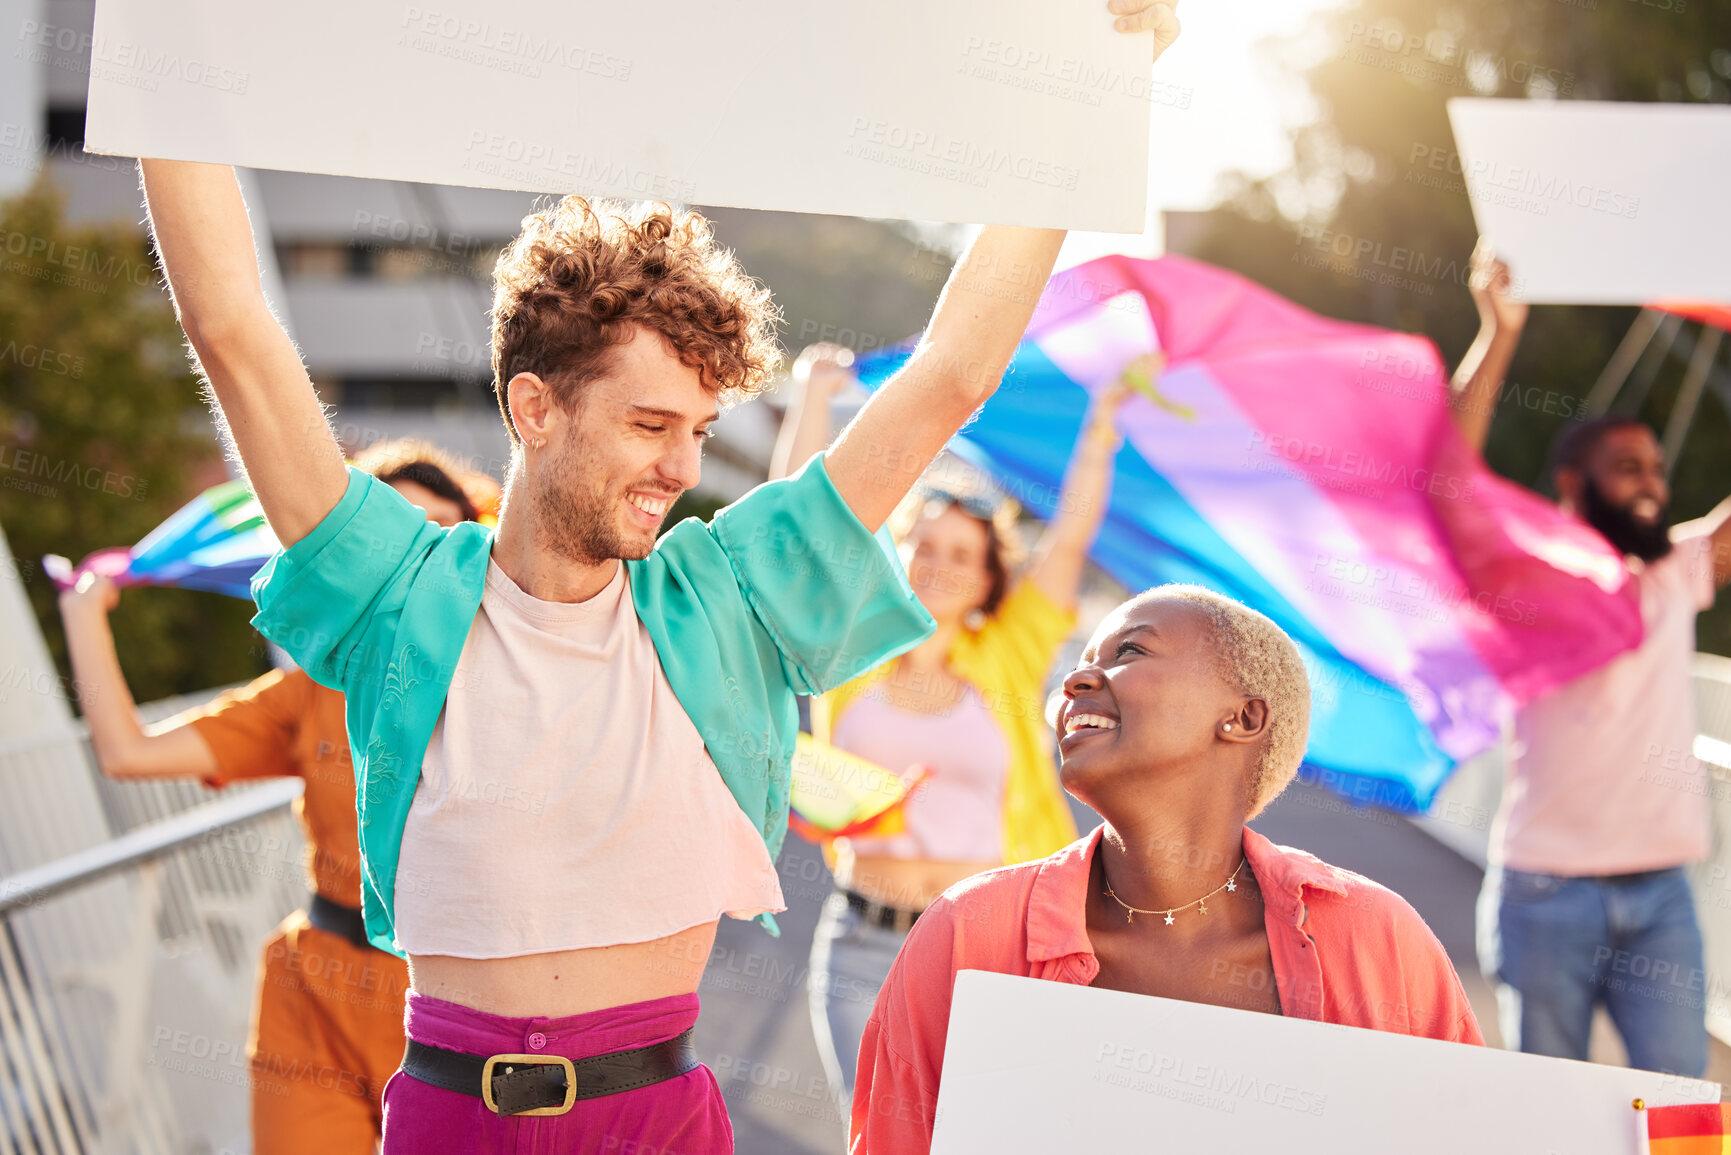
(1616, 371)
(1689, 396)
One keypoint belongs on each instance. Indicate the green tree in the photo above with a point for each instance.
(100, 427)
(1372, 222)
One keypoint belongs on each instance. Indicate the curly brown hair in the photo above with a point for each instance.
(581, 276)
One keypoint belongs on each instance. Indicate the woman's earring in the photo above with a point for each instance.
(1227, 727)
(975, 620)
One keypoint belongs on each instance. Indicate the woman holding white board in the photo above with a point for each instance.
(1188, 714)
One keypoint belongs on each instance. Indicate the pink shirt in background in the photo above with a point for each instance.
(955, 815)
(1603, 778)
(1345, 950)
(572, 804)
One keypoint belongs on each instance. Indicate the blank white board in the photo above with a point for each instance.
(1033, 1067)
(1030, 112)
(1593, 202)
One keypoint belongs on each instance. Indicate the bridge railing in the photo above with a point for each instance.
(1461, 818)
(127, 968)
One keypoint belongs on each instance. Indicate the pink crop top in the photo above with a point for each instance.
(572, 804)
(957, 815)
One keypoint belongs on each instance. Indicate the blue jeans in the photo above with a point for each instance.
(850, 959)
(1559, 945)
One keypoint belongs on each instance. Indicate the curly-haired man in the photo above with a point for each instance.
(572, 741)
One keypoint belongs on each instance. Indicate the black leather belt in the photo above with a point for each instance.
(876, 913)
(342, 921)
(1635, 876)
(548, 1084)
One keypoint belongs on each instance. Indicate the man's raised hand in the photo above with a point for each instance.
(1492, 288)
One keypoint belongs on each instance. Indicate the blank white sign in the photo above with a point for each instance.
(1031, 112)
(1034, 1067)
(1593, 202)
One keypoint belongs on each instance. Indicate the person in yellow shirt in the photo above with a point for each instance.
(327, 1027)
(966, 706)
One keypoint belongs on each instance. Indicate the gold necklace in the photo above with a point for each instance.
(1130, 912)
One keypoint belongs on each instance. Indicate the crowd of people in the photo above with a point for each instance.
(544, 759)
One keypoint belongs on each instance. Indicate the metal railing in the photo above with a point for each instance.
(127, 968)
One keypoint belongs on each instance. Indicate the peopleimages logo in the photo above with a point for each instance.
(1379, 472)
(497, 154)
(78, 260)
(426, 30)
(27, 465)
(879, 139)
(1534, 189)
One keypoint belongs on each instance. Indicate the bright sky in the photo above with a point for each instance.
(1240, 103)
(1241, 99)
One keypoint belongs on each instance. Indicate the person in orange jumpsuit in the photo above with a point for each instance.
(327, 1026)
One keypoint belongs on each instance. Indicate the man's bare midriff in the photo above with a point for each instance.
(568, 982)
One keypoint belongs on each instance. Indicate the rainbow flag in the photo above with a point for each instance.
(835, 794)
(1309, 467)
(216, 542)
(1696, 1129)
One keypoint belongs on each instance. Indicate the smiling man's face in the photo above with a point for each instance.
(1623, 492)
(632, 445)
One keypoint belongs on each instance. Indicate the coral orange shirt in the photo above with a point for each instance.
(284, 724)
(1345, 950)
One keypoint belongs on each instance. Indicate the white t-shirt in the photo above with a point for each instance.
(566, 800)
(1603, 778)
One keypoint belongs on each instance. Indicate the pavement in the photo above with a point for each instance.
(755, 1032)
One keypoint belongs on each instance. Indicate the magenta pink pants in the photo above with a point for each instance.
(683, 1116)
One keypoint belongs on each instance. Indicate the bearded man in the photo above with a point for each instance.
(1586, 901)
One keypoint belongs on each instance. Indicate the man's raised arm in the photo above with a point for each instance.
(974, 331)
(1479, 378)
(273, 415)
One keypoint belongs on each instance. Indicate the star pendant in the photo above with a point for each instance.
(1231, 885)
(1168, 918)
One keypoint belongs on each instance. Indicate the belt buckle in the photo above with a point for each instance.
(530, 1061)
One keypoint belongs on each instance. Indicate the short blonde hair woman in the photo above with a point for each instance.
(1187, 714)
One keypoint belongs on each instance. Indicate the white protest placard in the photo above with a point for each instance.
(1027, 112)
(1033, 1067)
(1593, 202)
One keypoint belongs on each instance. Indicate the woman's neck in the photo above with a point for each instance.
(1172, 857)
(933, 654)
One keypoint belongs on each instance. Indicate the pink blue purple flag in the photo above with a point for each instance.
(216, 542)
(1310, 468)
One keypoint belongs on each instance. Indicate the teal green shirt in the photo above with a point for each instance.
(785, 592)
